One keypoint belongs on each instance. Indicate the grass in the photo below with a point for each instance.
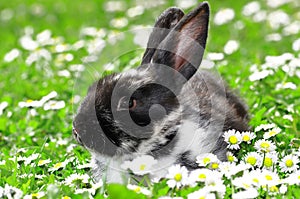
(28, 131)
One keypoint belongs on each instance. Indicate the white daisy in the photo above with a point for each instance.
(269, 178)
(270, 160)
(215, 184)
(233, 138)
(58, 166)
(35, 195)
(54, 105)
(231, 46)
(242, 182)
(139, 189)
(199, 175)
(247, 194)
(141, 165)
(224, 16)
(12, 55)
(201, 193)
(178, 176)
(3, 106)
(289, 163)
(254, 176)
(247, 136)
(272, 133)
(11, 192)
(204, 160)
(76, 177)
(231, 157)
(264, 146)
(230, 169)
(43, 162)
(293, 178)
(265, 127)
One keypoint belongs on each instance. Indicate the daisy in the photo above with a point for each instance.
(253, 159)
(31, 158)
(178, 176)
(11, 192)
(3, 106)
(247, 136)
(35, 195)
(289, 163)
(264, 127)
(270, 160)
(201, 193)
(264, 146)
(58, 166)
(231, 157)
(84, 178)
(254, 176)
(43, 162)
(248, 193)
(54, 105)
(138, 189)
(231, 46)
(224, 16)
(205, 159)
(272, 133)
(199, 175)
(269, 178)
(141, 165)
(230, 169)
(242, 182)
(293, 178)
(215, 184)
(233, 138)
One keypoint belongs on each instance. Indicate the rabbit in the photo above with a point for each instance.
(165, 108)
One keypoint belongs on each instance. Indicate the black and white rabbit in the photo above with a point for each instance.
(165, 107)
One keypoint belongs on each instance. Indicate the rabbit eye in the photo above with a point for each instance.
(132, 104)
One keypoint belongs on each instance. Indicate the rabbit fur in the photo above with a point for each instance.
(165, 108)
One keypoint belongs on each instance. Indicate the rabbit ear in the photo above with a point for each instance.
(166, 21)
(183, 47)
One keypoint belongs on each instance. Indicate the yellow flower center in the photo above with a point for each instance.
(230, 158)
(57, 165)
(66, 197)
(274, 189)
(29, 101)
(202, 197)
(178, 177)
(246, 185)
(35, 195)
(251, 160)
(214, 165)
(41, 162)
(206, 160)
(233, 139)
(246, 138)
(142, 167)
(255, 180)
(265, 145)
(268, 162)
(202, 176)
(268, 177)
(289, 163)
(272, 133)
(137, 189)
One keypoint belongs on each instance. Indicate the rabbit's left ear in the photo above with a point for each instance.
(183, 47)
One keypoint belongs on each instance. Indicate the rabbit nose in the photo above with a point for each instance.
(76, 136)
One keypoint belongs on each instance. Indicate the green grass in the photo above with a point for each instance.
(27, 131)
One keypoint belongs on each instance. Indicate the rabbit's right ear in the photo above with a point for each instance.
(165, 22)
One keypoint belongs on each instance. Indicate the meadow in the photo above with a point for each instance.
(51, 51)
